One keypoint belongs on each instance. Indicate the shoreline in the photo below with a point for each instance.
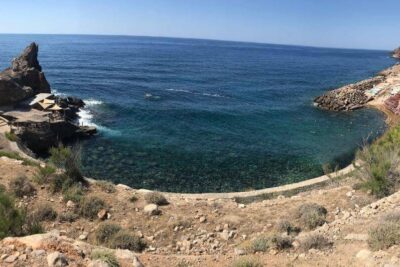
(385, 77)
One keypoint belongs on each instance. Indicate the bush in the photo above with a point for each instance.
(44, 213)
(284, 226)
(21, 186)
(260, 244)
(74, 193)
(59, 155)
(11, 136)
(311, 215)
(247, 262)
(106, 256)
(281, 242)
(43, 174)
(156, 198)
(91, 206)
(386, 233)
(68, 217)
(11, 218)
(56, 183)
(106, 232)
(106, 186)
(133, 198)
(315, 241)
(126, 240)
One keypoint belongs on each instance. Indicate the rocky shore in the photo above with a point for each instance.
(360, 94)
(38, 119)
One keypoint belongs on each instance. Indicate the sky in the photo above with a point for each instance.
(369, 24)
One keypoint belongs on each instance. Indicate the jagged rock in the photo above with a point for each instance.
(24, 78)
(396, 53)
(57, 259)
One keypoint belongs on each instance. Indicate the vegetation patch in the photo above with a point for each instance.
(311, 215)
(91, 206)
(21, 186)
(11, 136)
(106, 186)
(11, 218)
(16, 156)
(386, 233)
(68, 217)
(44, 213)
(44, 174)
(106, 256)
(284, 226)
(315, 241)
(126, 240)
(247, 262)
(156, 198)
(106, 232)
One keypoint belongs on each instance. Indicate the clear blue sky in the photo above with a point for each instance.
(331, 23)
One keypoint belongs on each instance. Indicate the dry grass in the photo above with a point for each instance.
(21, 186)
(315, 241)
(156, 198)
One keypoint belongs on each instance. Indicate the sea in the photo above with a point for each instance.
(190, 115)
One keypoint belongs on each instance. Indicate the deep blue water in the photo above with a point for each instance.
(198, 115)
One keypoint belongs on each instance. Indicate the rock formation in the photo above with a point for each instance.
(396, 53)
(23, 79)
(348, 97)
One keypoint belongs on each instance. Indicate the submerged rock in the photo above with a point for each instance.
(23, 79)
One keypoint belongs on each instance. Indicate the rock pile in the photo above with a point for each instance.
(349, 97)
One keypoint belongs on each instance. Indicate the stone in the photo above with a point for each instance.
(70, 204)
(98, 263)
(239, 251)
(83, 236)
(202, 219)
(57, 259)
(356, 237)
(349, 194)
(11, 258)
(364, 254)
(38, 252)
(241, 206)
(102, 214)
(151, 209)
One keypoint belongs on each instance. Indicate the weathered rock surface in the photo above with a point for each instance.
(23, 79)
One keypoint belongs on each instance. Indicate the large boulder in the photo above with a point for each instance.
(24, 78)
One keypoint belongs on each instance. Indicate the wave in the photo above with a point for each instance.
(85, 119)
(92, 102)
(194, 93)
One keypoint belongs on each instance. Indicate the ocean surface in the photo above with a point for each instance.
(188, 115)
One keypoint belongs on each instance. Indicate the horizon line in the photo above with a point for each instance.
(200, 39)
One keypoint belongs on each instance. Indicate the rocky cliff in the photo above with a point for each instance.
(396, 53)
(23, 79)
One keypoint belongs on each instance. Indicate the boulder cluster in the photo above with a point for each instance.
(349, 97)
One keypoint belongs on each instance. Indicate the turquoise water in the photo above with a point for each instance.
(206, 116)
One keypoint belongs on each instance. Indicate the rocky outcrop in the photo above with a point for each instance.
(348, 97)
(396, 53)
(23, 79)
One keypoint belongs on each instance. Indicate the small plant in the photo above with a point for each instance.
(284, 226)
(56, 183)
(106, 186)
(21, 186)
(74, 193)
(311, 215)
(106, 256)
(315, 241)
(68, 217)
(260, 244)
(11, 136)
(44, 213)
(133, 198)
(247, 262)
(15, 155)
(43, 174)
(106, 232)
(11, 218)
(91, 206)
(156, 198)
(280, 242)
(183, 263)
(386, 233)
(126, 240)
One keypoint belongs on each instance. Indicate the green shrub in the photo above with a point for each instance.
(284, 226)
(106, 186)
(105, 256)
(44, 213)
(68, 217)
(260, 244)
(386, 233)
(247, 262)
(56, 183)
(74, 193)
(133, 198)
(15, 155)
(106, 232)
(380, 171)
(281, 242)
(11, 218)
(21, 186)
(43, 174)
(126, 240)
(315, 241)
(156, 198)
(59, 155)
(11, 136)
(311, 215)
(91, 206)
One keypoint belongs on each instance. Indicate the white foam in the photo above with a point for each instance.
(92, 102)
(85, 119)
(195, 93)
